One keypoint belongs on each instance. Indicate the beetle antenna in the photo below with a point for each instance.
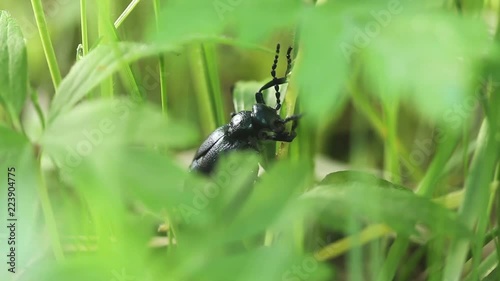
(275, 79)
(288, 61)
(259, 98)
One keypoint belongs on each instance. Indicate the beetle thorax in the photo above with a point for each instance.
(241, 123)
(264, 117)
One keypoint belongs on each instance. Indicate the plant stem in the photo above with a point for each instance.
(104, 32)
(38, 108)
(48, 213)
(48, 49)
(84, 26)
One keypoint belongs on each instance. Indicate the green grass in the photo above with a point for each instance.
(402, 94)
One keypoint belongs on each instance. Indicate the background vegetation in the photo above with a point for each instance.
(102, 104)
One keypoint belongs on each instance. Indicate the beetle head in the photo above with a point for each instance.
(267, 118)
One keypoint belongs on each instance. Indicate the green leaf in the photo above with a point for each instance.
(369, 198)
(428, 59)
(11, 140)
(98, 65)
(18, 166)
(13, 65)
(107, 123)
(322, 69)
(270, 199)
(208, 19)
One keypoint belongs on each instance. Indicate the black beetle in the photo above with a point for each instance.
(247, 128)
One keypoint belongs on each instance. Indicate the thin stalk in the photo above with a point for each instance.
(396, 252)
(48, 49)
(465, 144)
(171, 233)
(428, 185)
(339, 247)
(485, 268)
(199, 76)
(163, 83)
(48, 213)
(288, 108)
(214, 82)
(282, 148)
(107, 84)
(126, 73)
(38, 108)
(126, 13)
(84, 26)
(161, 62)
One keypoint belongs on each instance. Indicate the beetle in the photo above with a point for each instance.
(247, 128)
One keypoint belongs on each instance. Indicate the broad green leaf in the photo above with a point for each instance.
(20, 176)
(85, 267)
(11, 140)
(368, 198)
(98, 65)
(277, 262)
(322, 66)
(13, 65)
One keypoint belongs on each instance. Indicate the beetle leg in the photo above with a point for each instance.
(286, 137)
(259, 98)
(295, 120)
(292, 118)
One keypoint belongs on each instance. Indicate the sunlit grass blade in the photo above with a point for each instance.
(43, 31)
(202, 91)
(477, 193)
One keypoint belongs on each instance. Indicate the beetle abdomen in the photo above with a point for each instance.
(217, 144)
